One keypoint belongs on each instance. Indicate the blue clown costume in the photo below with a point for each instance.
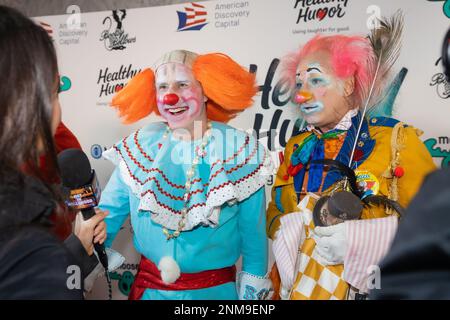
(226, 208)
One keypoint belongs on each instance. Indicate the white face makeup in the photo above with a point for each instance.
(320, 93)
(179, 96)
(317, 82)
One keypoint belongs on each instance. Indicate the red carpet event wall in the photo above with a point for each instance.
(100, 52)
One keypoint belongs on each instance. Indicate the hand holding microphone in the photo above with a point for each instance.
(81, 181)
(94, 228)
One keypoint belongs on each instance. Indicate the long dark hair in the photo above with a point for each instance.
(29, 84)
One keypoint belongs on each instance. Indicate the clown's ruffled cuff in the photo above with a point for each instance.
(251, 287)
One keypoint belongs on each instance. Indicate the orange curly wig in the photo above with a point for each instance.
(228, 86)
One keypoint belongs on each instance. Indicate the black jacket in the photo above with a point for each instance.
(34, 264)
(418, 264)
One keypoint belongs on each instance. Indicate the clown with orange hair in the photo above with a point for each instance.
(340, 85)
(192, 185)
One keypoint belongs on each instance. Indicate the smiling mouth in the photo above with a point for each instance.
(177, 111)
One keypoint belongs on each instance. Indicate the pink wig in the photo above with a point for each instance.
(350, 56)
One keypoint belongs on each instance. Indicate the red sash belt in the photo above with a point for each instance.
(149, 277)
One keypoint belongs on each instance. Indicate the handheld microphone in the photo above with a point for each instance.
(81, 180)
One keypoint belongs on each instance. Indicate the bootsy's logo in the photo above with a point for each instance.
(115, 39)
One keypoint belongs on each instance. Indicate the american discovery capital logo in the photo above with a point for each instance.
(66, 34)
(193, 18)
(446, 6)
(114, 36)
(231, 14)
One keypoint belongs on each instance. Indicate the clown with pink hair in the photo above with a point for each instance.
(349, 149)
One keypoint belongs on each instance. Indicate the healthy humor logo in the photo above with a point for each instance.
(439, 81)
(114, 37)
(193, 18)
(275, 96)
(112, 81)
(446, 6)
(309, 10)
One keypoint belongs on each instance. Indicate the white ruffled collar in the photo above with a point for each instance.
(229, 177)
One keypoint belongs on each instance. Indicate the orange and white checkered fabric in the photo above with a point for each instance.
(315, 281)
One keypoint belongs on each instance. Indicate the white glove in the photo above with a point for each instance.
(251, 287)
(331, 243)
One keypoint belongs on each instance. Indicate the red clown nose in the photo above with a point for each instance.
(171, 99)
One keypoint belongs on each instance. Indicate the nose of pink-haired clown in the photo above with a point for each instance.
(171, 99)
(302, 97)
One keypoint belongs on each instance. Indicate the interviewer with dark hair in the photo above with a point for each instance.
(33, 263)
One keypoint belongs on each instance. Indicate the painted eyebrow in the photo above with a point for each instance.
(313, 69)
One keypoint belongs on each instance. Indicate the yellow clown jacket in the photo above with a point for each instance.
(387, 150)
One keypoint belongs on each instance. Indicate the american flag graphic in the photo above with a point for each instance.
(193, 18)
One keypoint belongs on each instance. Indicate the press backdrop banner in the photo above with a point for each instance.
(100, 52)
